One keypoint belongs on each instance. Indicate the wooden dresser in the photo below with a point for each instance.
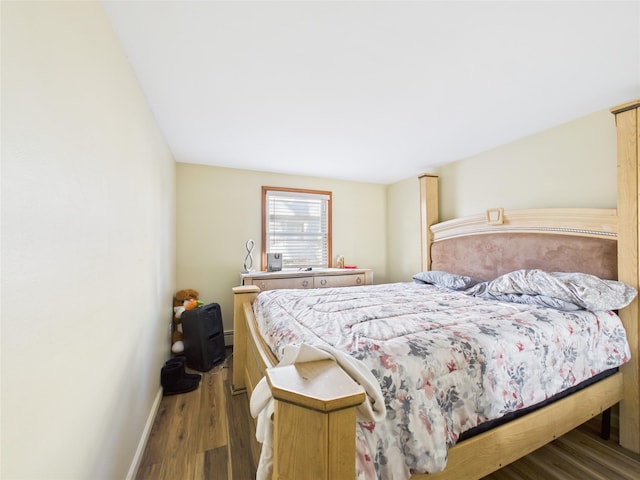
(320, 278)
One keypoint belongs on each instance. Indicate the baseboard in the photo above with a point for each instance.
(137, 458)
(228, 337)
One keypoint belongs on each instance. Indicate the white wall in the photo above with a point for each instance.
(219, 209)
(88, 246)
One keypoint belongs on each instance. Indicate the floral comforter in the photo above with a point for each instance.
(446, 361)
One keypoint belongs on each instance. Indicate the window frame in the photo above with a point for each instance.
(266, 189)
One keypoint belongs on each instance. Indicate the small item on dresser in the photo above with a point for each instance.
(248, 260)
(339, 261)
(351, 266)
(274, 262)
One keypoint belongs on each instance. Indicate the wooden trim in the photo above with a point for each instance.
(590, 222)
(241, 339)
(634, 104)
(321, 385)
(628, 145)
(265, 189)
(328, 454)
(260, 352)
(428, 216)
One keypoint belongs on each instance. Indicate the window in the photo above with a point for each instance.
(297, 224)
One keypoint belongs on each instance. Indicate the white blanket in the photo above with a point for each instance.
(261, 403)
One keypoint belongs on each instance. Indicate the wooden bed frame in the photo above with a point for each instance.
(314, 417)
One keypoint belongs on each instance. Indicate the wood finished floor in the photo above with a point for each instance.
(208, 434)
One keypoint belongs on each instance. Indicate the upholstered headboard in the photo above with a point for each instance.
(567, 240)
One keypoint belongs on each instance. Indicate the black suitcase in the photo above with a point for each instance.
(203, 337)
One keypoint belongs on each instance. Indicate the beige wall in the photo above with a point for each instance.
(219, 209)
(88, 247)
(572, 165)
(403, 230)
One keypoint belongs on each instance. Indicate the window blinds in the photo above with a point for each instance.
(297, 226)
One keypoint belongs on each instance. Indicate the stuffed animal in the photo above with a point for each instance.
(182, 301)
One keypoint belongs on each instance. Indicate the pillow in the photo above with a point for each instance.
(581, 289)
(452, 281)
(480, 290)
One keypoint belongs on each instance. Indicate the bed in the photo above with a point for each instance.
(314, 417)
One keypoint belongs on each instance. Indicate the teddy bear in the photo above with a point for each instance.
(182, 301)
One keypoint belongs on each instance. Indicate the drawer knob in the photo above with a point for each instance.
(358, 280)
(323, 281)
(305, 283)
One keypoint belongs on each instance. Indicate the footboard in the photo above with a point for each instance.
(314, 417)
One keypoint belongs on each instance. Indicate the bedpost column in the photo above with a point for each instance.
(628, 143)
(240, 335)
(314, 421)
(428, 215)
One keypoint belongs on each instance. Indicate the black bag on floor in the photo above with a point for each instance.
(203, 337)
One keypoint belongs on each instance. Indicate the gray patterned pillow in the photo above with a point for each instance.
(581, 289)
(480, 290)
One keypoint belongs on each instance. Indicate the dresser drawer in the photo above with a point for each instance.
(321, 278)
(339, 280)
(278, 283)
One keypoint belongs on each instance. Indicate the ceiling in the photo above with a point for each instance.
(372, 91)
